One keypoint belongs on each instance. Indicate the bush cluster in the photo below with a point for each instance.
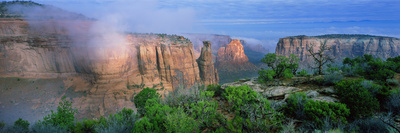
(393, 102)
(371, 68)
(64, 117)
(316, 110)
(253, 113)
(302, 73)
(302, 108)
(358, 99)
(280, 65)
(141, 98)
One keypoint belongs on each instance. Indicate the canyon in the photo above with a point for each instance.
(99, 74)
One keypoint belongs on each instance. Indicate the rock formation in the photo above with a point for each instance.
(232, 53)
(232, 62)
(342, 46)
(208, 73)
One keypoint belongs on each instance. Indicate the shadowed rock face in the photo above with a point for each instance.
(153, 58)
(342, 46)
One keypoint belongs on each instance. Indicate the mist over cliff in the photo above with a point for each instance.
(95, 62)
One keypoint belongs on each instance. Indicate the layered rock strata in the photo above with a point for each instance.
(342, 46)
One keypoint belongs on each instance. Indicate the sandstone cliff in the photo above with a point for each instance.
(342, 46)
(107, 73)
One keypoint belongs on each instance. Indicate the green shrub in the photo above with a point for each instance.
(205, 112)
(295, 106)
(377, 70)
(348, 70)
(122, 121)
(183, 97)
(357, 98)
(372, 68)
(266, 75)
(157, 113)
(260, 118)
(302, 73)
(393, 102)
(23, 124)
(238, 96)
(316, 110)
(371, 87)
(64, 117)
(279, 63)
(216, 89)
(392, 82)
(369, 125)
(180, 122)
(394, 63)
(48, 128)
(235, 125)
(141, 98)
(287, 74)
(85, 126)
(394, 66)
(143, 126)
(253, 113)
(332, 78)
(377, 91)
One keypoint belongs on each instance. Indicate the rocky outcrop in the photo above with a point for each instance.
(208, 73)
(342, 46)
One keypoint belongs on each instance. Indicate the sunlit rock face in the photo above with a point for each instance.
(232, 58)
(232, 53)
(342, 46)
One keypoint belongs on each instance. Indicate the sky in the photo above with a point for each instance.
(263, 20)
